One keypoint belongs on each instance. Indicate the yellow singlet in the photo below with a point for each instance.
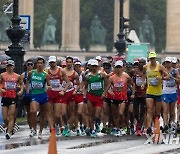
(154, 87)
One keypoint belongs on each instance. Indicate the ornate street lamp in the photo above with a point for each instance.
(15, 34)
(120, 44)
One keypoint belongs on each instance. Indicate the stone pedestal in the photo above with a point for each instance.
(70, 25)
(26, 7)
(50, 47)
(98, 48)
(4, 45)
(172, 29)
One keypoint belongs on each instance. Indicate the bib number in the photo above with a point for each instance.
(55, 83)
(96, 86)
(153, 81)
(10, 85)
(37, 85)
(171, 83)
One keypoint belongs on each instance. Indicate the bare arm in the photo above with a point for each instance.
(130, 81)
(28, 81)
(106, 83)
(1, 80)
(21, 84)
(65, 78)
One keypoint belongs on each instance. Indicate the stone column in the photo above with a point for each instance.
(26, 7)
(117, 15)
(70, 25)
(172, 29)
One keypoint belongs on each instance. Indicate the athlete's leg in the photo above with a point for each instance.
(34, 106)
(165, 107)
(122, 107)
(150, 107)
(5, 115)
(11, 117)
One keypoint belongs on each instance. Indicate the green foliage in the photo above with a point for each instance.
(157, 14)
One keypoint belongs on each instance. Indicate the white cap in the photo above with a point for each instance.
(94, 62)
(119, 63)
(168, 59)
(77, 63)
(174, 60)
(89, 61)
(52, 59)
(98, 58)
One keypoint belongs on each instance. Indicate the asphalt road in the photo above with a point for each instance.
(20, 143)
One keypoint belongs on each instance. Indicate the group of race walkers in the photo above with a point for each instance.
(105, 95)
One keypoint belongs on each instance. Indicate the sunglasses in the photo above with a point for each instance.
(29, 64)
(93, 65)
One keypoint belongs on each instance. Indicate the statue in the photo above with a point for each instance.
(49, 31)
(146, 32)
(98, 32)
(4, 24)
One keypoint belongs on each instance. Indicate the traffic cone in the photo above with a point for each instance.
(52, 142)
(157, 130)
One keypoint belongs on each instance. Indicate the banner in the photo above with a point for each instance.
(136, 51)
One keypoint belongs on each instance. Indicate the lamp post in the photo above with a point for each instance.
(15, 34)
(120, 44)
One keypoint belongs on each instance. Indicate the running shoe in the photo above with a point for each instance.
(32, 133)
(138, 133)
(68, 133)
(87, 131)
(149, 131)
(40, 135)
(165, 129)
(119, 133)
(7, 136)
(97, 128)
(93, 134)
(104, 130)
(78, 132)
(125, 129)
(114, 131)
(123, 132)
(65, 130)
(58, 132)
(132, 129)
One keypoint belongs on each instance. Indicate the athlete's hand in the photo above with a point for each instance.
(142, 86)
(61, 93)
(159, 78)
(132, 96)
(103, 95)
(111, 93)
(74, 92)
(2, 90)
(49, 87)
(20, 93)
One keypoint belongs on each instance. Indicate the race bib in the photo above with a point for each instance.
(55, 83)
(96, 86)
(119, 85)
(37, 85)
(170, 83)
(64, 85)
(153, 81)
(9, 85)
